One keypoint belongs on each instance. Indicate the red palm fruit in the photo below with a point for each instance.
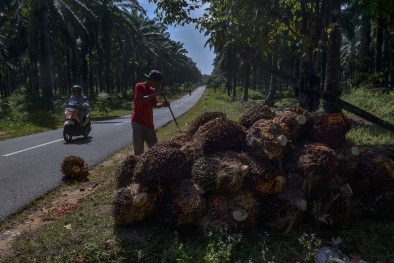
(125, 171)
(202, 120)
(330, 129)
(221, 173)
(317, 163)
(256, 113)
(75, 167)
(182, 207)
(266, 139)
(133, 204)
(239, 211)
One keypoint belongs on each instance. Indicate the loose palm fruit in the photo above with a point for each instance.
(74, 167)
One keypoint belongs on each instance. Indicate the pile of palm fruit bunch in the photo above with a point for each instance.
(275, 168)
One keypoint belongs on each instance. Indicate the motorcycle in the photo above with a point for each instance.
(72, 122)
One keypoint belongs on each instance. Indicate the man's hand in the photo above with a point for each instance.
(165, 104)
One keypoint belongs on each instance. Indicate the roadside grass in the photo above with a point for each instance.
(21, 114)
(378, 104)
(90, 235)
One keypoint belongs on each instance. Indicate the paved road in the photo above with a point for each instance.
(30, 165)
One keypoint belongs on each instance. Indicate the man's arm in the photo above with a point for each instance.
(85, 102)
(161, 105)
(148, 98)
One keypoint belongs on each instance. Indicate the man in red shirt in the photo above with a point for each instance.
(142, 116)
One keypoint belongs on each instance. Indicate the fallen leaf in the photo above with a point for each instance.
(323, 218)
(68, 226)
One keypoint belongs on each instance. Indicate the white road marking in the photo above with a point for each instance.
(154, 114)
(166, 110)
(32, 148)
(122, 123)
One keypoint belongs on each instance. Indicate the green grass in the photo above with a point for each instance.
(379, 104)
(21, 114)
(91, 235)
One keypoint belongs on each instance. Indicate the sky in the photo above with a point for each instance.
(193, 40)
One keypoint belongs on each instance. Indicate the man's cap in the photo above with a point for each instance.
(155, 75)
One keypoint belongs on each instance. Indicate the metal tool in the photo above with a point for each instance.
(172, 114)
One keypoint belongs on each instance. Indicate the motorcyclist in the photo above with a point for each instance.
(79, 99)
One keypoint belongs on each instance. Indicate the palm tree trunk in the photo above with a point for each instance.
(107, 45)
(298, 75)
(392, 66)
(245, 96)
(270, 99)
(229, 66)
(69, 81)
(386, 60)
(235, 73)
(378, 47)
(47, 84)
(91, 74)
(1, 83)
(254, 85)
(365, 40)
(333, 58)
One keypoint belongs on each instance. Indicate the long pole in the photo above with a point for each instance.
(165, 98)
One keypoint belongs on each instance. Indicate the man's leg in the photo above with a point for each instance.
(151, 138)
(138, 138)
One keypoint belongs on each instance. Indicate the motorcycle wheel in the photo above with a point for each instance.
(67, 135)
(87, 131)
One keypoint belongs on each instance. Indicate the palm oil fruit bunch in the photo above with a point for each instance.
(266, 139)
(221, 172)
(160, 166)
(75, 167)
(183, 207)
(125, 171)
(219, 134)
(299, 111)
(264, 177)
(293, 124)
(238, 211)
(203, 119)
(261, 112)
(335, 207)
(330, 129)
(176, 142)
(317, 163)
(286, 209)
(349, 158)
(133, 204)
(377, 169)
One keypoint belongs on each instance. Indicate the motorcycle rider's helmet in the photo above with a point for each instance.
(77, 87)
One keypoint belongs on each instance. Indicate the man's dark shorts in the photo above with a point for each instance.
(142, 134)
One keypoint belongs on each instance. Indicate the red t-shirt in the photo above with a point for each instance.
(143, 112)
